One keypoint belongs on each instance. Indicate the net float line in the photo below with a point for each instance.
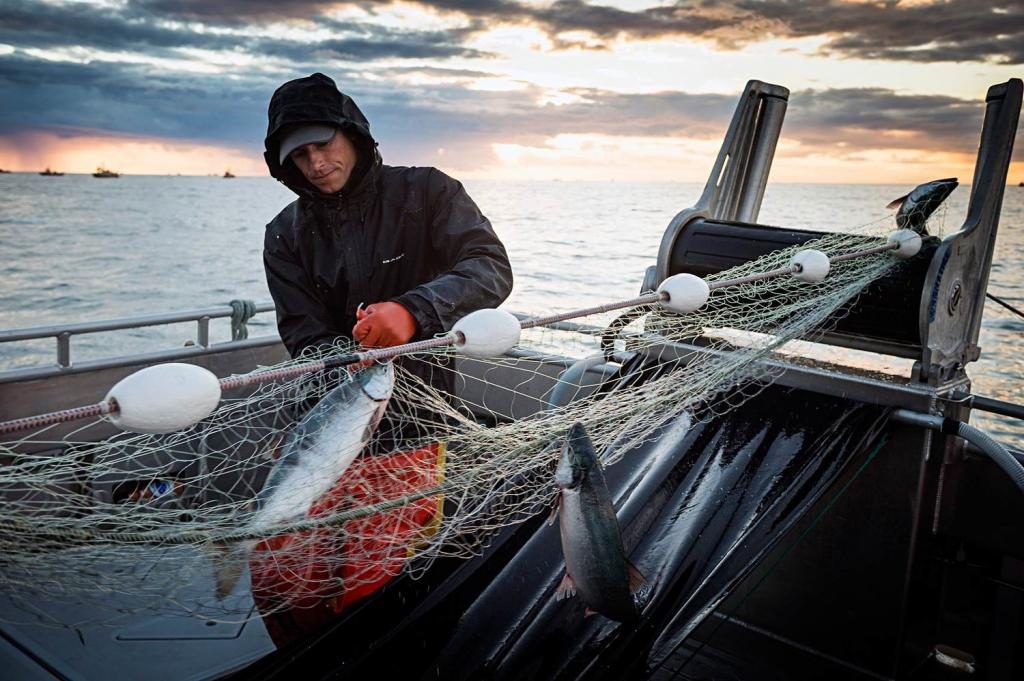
(101, 408)
(646, 299)
(109, 406)
(484, 333)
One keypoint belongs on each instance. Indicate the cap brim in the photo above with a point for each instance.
(307, 134)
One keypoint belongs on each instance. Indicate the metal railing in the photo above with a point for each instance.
(64, 333)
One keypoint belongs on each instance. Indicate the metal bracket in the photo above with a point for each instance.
(735, 188)
(954, 292)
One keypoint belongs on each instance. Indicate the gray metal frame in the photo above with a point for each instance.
(954, 299)
(736, 185)
(952, 304)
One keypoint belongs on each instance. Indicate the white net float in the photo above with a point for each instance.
(486, 333)
(686, 293)
(810, 265)
(164, 398)
(906, 243)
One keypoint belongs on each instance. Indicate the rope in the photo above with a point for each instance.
(1005, 304)
(374, 355)
(725, 283)
(865, 252)
(272, 375)
(241, 312)
(597, 309)
(62, 416)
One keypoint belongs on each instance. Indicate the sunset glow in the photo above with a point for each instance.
(628, 89)
(84, 153)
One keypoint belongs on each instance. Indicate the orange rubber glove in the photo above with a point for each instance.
(383, 325)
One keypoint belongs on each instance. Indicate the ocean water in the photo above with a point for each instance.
(75, 248)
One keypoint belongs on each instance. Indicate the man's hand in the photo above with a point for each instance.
(383, 325)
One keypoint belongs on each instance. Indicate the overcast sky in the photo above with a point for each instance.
(622, 89)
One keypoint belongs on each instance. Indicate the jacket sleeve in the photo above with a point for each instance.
(302, 319)
(475, 271)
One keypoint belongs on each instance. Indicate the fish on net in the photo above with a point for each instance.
(145, 523)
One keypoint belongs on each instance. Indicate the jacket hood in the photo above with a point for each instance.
(316, 99)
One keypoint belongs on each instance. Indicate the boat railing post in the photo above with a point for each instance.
(64, 349)
(203, 332)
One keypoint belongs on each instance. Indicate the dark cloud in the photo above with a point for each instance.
(145, 101)
(945, 30)
(466, 123)
(237, 11)
(413, 120)
(38, 25)
(34, 25)
(376, 44)
(131, 99)
(833, 121)
(440, 72)
(875, 118)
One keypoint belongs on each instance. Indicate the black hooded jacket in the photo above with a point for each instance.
(409, 235)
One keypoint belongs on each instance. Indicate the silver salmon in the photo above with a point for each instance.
(916, 207)
(315, 455)
(596, 567)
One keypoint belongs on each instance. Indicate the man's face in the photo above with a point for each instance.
(327, 165)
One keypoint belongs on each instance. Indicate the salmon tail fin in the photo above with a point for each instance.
(638, 585)
(229, 562)
(896, 203)
(566, 589)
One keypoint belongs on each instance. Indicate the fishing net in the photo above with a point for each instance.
(132, 523)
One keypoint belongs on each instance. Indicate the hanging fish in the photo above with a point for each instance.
(314, 457)
(596, 567)
(916, 207)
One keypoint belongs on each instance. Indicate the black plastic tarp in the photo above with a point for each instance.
(700, 506)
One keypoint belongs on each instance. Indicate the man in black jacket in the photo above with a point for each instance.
(408, 243)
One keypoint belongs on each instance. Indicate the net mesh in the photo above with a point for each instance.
(178, 523)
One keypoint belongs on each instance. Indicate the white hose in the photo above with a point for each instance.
(995, 451)
(570, 382)
(990, 447)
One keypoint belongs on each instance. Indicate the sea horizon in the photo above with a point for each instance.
(470, 176)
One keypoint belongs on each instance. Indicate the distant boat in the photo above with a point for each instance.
(103, 172)
(51, 173)
(228, 173)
